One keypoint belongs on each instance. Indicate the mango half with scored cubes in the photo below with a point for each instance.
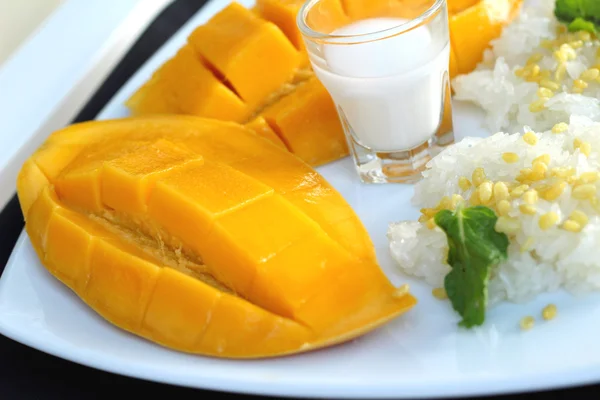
(203, 237)
(250, 66)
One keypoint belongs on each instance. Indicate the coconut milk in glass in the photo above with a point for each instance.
(385, 64)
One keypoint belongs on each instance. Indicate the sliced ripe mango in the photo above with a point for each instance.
(283, 14)
(456, 6)
(231, 144)
(128, 180)
(185, 85)
(239, 327)
(310, 192)
(244, 239)
(166, 235)
(39, 213)
(154, 96)
(472, 29)
(325, 205)
(180, 309)
(121, 282)
(350, 291)
(80, 183)
(71, 263)
(302, 118)
(274, 168)
(361, 9)
(251, 54)
(262, 128)
(33, 181)
(407, 9)
(283, 283)
(139, 294)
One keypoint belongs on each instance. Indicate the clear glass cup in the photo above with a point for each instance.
(385, 63)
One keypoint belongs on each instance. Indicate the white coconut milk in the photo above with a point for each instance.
(390, 90)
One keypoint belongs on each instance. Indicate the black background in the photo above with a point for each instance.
(26, 373)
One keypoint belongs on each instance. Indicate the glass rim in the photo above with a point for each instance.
(310, 33)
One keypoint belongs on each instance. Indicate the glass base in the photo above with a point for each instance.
(394, 167)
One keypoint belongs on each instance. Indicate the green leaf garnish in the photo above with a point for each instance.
(579, 14)
(580, 24)
(474, 248)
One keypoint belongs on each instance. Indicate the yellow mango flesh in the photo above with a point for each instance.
(472, 29)
(180, 309)
(260, 126)
(455, 6)
(253, 55)
(283, 14)
(310, 192)
(127, 180)
(302, 116)
(361, 9)
(138, 294)
(71, 263)
(121, 282)
(31, 184)
(185, 85)
(286, 276)
(169, 234)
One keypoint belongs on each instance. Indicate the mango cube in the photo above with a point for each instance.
(30, 184)
(279, 171)
(260, 126)
(283, 283)
(185, 85)
(70, 238)
(303, 118)
(121, 282)
(472, 29)
(187, 200)
(251, 54)
(236, 325)
(180, 309)
(127, 180)
(235, 248)
(283, 14)
(38, 217)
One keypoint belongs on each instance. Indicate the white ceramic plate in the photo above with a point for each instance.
(421, 354)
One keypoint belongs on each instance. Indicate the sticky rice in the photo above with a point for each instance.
(535, 74)
(544, 186)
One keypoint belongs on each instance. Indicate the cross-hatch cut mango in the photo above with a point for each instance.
(202, 236)
(244, 64)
